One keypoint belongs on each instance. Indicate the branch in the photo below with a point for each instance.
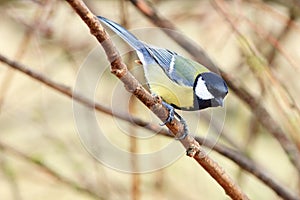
(119, 69)
(255, 105)
(245, 163)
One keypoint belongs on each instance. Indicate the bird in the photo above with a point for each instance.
(182, 83)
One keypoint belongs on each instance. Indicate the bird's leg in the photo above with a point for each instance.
(171, 113)
(171, 117)
(185, 129)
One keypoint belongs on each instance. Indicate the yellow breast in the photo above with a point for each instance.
(171, 92)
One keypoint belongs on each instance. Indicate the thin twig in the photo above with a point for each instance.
(135, 177)
(280, 37)
(274, 13)
(233, 155)
(44, 167)
(257, 106)
(10, 177)
(37, 21)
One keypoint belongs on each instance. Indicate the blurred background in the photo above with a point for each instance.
(43, 154)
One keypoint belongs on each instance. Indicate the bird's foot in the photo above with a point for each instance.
(185, 129)
(171, 113)
(171, 116)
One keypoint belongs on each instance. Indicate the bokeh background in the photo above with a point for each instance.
(42, 154)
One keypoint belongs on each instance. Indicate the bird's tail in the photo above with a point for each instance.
(123, 33)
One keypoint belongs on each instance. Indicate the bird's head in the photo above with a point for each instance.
(209, 90)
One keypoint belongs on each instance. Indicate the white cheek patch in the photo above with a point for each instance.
(201, 90)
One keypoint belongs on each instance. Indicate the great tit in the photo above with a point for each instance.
(180, 82)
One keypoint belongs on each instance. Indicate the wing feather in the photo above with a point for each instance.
(181, 70)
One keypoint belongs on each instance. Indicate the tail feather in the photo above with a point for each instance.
(123, 33)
